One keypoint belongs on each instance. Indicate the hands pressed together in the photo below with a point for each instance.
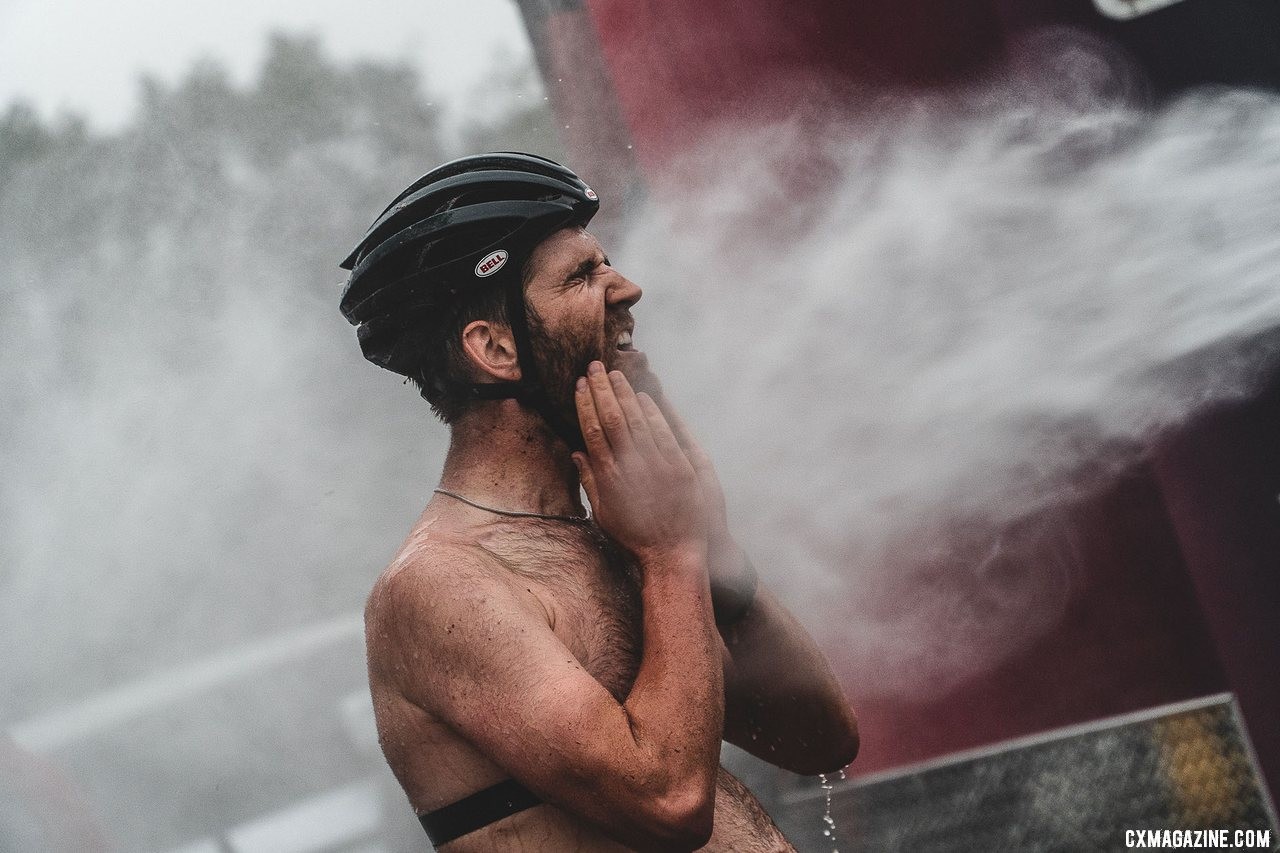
(651, 485)
(654, 490)
(643, 489)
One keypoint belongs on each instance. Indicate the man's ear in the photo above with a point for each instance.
(492, 350)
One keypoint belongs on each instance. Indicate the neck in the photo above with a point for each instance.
(504, 455)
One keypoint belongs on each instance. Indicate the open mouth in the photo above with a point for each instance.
(624, 341)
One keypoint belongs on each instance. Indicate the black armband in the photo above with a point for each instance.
(731, 604)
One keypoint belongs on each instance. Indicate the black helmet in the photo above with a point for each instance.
(468, 224)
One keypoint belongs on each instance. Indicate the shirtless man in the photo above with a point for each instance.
(543, 680)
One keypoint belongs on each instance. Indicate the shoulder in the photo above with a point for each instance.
(436, 577)
(448, 626)
(439, 597)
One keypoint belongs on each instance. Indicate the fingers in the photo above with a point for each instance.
(609, 412)
(637, 420)
(589, 422)
(663, 437)
(615, 409)
(642, 488)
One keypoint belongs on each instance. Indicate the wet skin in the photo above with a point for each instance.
(581, 659)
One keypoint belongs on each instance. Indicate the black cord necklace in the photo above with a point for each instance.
(575, 519)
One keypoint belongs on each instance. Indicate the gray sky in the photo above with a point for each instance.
(86, 56)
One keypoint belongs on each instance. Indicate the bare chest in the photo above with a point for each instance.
(590, 588)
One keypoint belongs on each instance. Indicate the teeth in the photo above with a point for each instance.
(624, 339)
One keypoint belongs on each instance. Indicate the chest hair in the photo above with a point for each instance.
(592, 586)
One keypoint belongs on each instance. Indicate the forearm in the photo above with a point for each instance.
(676, 704)
(783, 703)
(645, 494)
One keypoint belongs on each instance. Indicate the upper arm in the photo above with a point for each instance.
(477, 652)
(479, 655)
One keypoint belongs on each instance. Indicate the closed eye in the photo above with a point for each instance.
(585, 270)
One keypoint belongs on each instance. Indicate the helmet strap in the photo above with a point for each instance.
(530, 390)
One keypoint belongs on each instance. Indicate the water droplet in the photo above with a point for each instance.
(830, 830)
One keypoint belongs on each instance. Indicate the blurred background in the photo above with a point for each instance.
(974, 304)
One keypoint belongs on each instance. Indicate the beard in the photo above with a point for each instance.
(560, 360)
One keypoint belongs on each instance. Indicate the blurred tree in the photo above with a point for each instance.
(195, 455)
(298, 101)
(188, 423)
(165, 286)
(24, 138)
(162, 278)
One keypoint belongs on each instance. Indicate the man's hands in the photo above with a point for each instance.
(644, 489)
(733, 579)
(646, 495)
(653, 487)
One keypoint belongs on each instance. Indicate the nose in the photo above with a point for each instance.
(623, 291)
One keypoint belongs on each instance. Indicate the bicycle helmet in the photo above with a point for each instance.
(471, 223)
